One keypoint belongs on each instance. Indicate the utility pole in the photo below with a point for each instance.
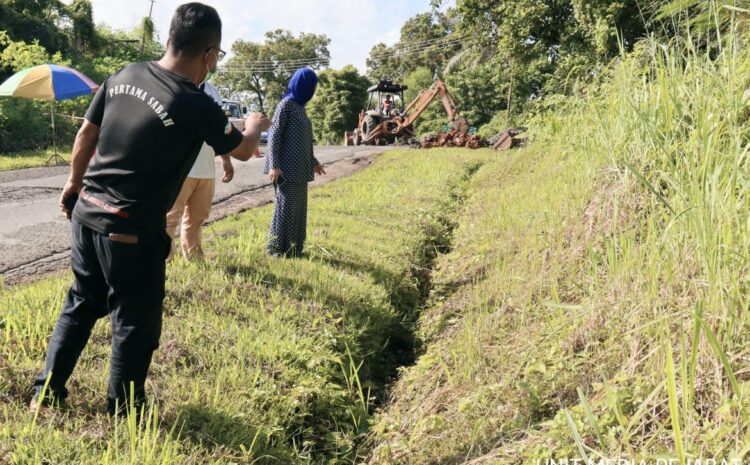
(143, 41)
(510, 87)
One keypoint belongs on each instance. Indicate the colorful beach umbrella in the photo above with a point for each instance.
(48, 82)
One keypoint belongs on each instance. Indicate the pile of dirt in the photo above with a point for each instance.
(454, 138)
(457, 137)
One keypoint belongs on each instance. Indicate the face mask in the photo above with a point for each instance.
(209, 74)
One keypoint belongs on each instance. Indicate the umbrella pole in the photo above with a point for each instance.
(55, 159)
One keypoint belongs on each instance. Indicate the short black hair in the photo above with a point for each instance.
(194, 28)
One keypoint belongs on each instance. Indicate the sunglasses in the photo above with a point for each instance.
(220, 54)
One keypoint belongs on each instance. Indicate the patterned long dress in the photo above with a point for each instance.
(290, 147)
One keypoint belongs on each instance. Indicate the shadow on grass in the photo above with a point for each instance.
(403, 293)
(212, 429)
(387, 339)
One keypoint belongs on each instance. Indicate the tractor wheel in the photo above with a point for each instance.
(369, 125)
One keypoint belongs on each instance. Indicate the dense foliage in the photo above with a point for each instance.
(512, 53)
(38, 32)
(593, 307)
(502, 60)
(340, 97)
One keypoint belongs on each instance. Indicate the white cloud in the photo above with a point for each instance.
(354, 26)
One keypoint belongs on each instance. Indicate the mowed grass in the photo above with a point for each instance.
(261, 360)
(31, 158)
(595, 303)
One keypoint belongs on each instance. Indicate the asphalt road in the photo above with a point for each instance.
(34, 235)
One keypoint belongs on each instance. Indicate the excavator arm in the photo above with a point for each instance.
(401, 126)
(415, 108)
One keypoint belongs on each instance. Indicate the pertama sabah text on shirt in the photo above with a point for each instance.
(142, 95)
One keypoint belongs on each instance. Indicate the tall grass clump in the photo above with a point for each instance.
(595, 302)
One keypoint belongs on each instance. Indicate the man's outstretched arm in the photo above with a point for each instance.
(254, 125)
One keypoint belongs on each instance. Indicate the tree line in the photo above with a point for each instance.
(503, 60)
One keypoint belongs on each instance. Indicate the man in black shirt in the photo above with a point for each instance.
(143, 130)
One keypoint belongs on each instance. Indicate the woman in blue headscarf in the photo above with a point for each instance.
(290, 164)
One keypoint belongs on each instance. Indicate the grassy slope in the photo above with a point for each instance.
(259, 357)
(497, 324)
(30, 158)
(595, 302)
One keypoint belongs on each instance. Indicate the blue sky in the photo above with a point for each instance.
(354, 26)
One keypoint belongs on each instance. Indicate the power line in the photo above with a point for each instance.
(266, 66)
(262, 66)
(269, 69)
(410, 50)
(273, 62)
(289, 70)
(412, 47)
(421, 44)
(432, 41)
(279, 64)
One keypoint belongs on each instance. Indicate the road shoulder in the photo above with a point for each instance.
(237, 203)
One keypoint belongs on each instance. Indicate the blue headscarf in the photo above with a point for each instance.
(302, 85)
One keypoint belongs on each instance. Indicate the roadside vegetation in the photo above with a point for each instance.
(594, 305)
(30, 158)
(262, 360)
(501, 60)
(585, 297)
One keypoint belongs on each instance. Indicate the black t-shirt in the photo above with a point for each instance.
(152, 125)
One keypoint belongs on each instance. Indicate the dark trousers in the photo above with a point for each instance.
(289, 223)
(124, 281)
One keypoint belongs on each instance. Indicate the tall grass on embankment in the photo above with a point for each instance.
(595, 303)
(261, 360)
